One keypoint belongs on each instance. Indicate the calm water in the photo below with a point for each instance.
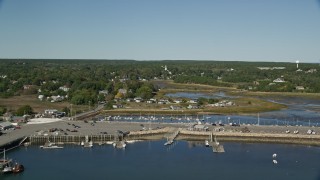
(300, 110)
(183, 160)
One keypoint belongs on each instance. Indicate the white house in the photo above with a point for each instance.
(138, 99)
(104, 92)
(50, 111)
(278, 80)
(193, 101)
(301, 88)
(64, 88)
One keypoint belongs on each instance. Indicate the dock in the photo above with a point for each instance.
(72, 139)
(216, 146)
(171, 137)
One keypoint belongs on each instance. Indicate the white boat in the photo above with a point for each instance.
(168, 143)
(50, 145)
(119, 144)
(206, 142)
(5, 164)
(274, 155)
(132, 141)
(88, 144)
(274, 161)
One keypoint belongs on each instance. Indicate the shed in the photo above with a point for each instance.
(200, 127)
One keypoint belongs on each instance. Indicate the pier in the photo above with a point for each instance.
(171, 137)
(216, 146)
(71, 139)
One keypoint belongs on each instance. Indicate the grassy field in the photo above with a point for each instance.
(13, 103)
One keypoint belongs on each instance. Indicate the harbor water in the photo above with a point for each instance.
(181, 160)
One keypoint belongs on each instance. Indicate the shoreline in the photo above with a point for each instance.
(257, 134)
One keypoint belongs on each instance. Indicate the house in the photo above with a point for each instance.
(27, 87)
(193, 101)
(175, 107)
(117, 106)
(264, 68)
(50, 111)
(150, 101)
(129, 99)
(104, 92)
(278, 80)
(64, 88)
(311, 71)
(56, 98)
(7, 116)
(193, 106)
(163, 101)
(177, 101)
(200, 127)
(20, 119)
(299, 88)
(122, 91)
(40, 97)
(138, 99)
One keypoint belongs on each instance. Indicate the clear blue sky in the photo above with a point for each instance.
(250, 30)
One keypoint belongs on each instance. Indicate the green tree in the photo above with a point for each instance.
(26, 109)
(144, 92)
(2, 110)
(66, 110)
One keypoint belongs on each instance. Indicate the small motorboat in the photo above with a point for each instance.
(50, 145)
(274, 155)
(206, 142)
(18, 168)
(274, 161)
(168, 143)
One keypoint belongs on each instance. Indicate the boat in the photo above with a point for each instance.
(6, 165)
(206, 142)
(274, 161)
(119, 144)
(88, 144)
(50, 145)
(168, 143)
(17, 168)
(274, 155)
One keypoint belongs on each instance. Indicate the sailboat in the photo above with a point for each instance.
(6, 165)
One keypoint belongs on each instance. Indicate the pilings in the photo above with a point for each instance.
(69, 139)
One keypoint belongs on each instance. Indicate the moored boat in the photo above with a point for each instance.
(50, 145)
(17, 168)
(7, 167)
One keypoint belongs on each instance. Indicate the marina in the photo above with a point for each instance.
(188, 160)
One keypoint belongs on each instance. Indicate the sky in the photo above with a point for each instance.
(232, 30)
